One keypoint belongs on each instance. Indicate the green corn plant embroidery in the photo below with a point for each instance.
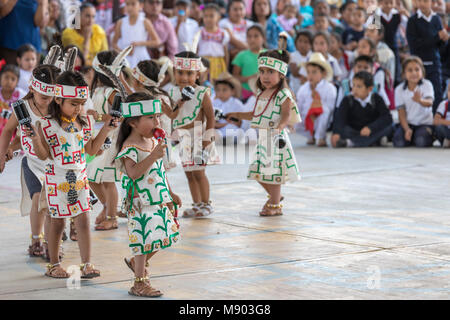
(162, 214)
(142, 220)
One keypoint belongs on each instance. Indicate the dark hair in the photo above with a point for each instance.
(319, 1)
(345, 5)
(365, 77)
(79, 53)
(363, 58)
(151, 70)
(86, 69)
(86, 5)
(45, 73)
(304, 33)
(322, 34)
(125, 128)
(337, 36)
(11, 68)
(283, 56)
(414, 59)
(213, 6)
(373, 46)
(233, 1)
(106, 58)
(28, 47)
(225, 82)
(69, 78)
(254, 17)
(322, 69)
(206, 62)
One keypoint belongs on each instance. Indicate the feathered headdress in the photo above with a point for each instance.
(116, 66)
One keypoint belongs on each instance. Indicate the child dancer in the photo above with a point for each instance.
(134, 29)
(197, 147)
(274, 110)
(64, 136)
(101, 172)
(149, 198)
(414, 98)
(27, 61)
(37, 100)
(316, 99)
(148, 77)
(213, 41)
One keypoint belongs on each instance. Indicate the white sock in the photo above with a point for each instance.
(349, 143)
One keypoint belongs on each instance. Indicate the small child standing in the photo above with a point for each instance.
(9, 92)
(213, 43)
(414, 98)
(27, 61)
(134, 29)
(362, 119)
(316, 99)
(149, 198)
(197, 147)
(303, 44)
(351, 35)
(288, 19)
(64, 136)
(275, 109)
(442, 121)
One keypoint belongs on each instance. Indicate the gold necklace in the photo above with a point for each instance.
(71, 127)
(65, 119)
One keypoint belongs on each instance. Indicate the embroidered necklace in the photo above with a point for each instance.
(71, 127)
(265, 108)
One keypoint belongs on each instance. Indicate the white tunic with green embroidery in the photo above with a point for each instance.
(191, 139)
(101, 168)
(151, 226)
(270, 164)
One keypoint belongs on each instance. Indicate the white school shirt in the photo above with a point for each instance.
(212, 44)
(337, 72)
(231, 105)
(416, 114)
(24, 80)
(441, 110)
(239, 30)
(188, 29)
(298, 59)
(326, 91)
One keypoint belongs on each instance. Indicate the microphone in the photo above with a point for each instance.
(116, 110)
(160, 134)
(188, 93)
(22, 115)
(218, 114)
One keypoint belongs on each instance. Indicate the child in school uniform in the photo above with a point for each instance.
(194, 118)
(303, 44)
(316, 100)
(442, 121)
(425, 35)
(414, 98)
(351, 35)
(385, 56)
(213, 43)
(362, 119)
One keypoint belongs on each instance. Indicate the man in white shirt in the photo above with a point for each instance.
(185, 28)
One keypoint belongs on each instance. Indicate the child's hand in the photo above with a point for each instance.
(9, 154)
(99, 152)
(408, 134)
(159, 150)
(206, 143)
(110, 122)
(417, 97)
(176, 199)
(30, 132)
(97, 117)
(2, 163)
(365, 132)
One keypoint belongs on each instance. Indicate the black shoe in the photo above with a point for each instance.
(341, 143)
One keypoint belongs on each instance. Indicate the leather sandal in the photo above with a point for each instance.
(88, 273)
(101, 216)
(270, 210)
(36, 249)
(114, 225)
(56, 271)
(130, 264)
(142, 288)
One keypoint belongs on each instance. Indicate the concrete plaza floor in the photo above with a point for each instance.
(362, 224)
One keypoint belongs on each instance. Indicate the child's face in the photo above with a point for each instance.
(303, 45)
(347, 13)
(362, 66)
(255, 40)
(373, 34)
(133, 7)
(314, 74)
(203, 76)
(334, 44)
(41, 99)
(137, 86)
(334, 13)
(8, 81)
(223, 91)
(28, 61)
(184, 78)
(321, 8)
(321, 23)
(364, 48)
(370, 3)
(269, 78)
(387, 5)
(237, 12)
(290, 12)
(210, 18)
(262, 7)
(153, 7)
(359, 90)
(320, 45)
(146, 125)
(54, 10)
(424, 5)
(413, 72)
(70, 108)
(182, 7)
(358, 18)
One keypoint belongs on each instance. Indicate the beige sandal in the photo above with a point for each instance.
(36, 249)
(114, 225)
(142, 288)
(56, 271)
(88, 273)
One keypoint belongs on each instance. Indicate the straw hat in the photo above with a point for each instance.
(318, 59)
(227, 77)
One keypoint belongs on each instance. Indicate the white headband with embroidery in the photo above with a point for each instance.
(71, 92)
(42, 87)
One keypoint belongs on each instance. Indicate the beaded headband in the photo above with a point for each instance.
(42, 87)
(272, 63)
(142, 78)
(71, 92)
(194, 64)
(141, 108)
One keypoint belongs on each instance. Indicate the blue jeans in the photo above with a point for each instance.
(442, 132)
(361, 141)
(422, 136)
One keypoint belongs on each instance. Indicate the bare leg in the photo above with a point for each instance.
(193, 187)
(99, 191)
(203, 184)
(111, 196)
(84, 236)
(36, 218)
(54, 238)
(139, 266)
